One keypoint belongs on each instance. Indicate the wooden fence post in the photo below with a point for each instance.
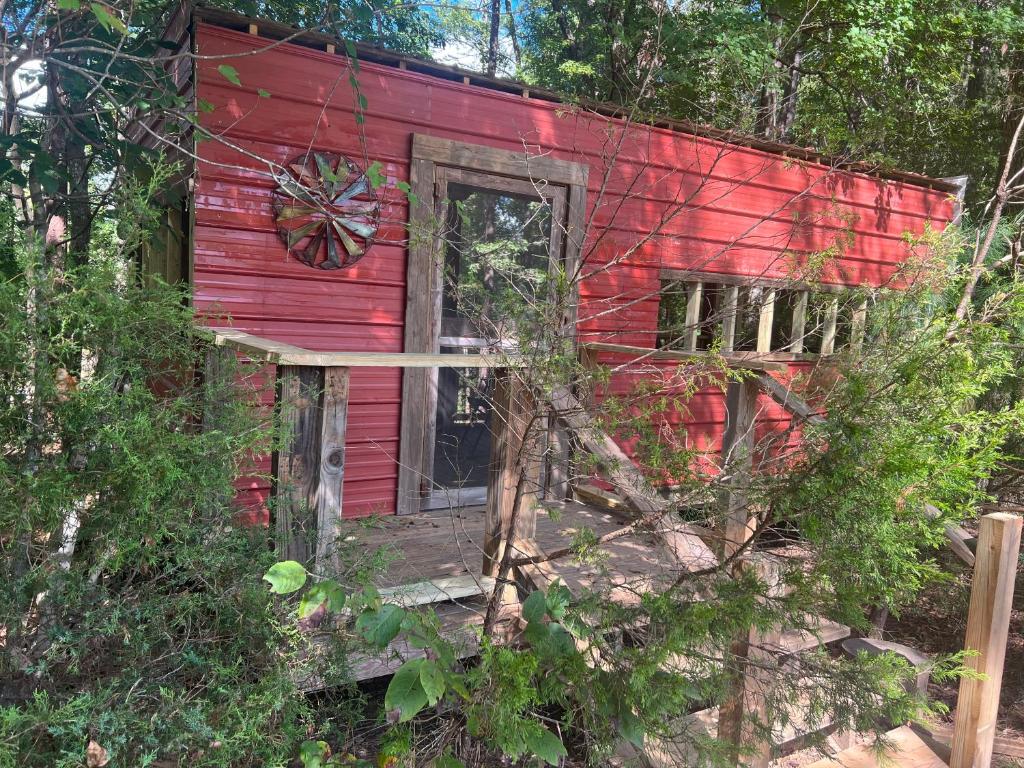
(510, 421)
(309, 468)
(988, 623)
(738, 461)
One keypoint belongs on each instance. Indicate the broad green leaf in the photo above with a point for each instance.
(229, 73)
(535, 606)
(374, 174)
(285, 577)
(107, 19)
(630, 727)
(561, 641)
(205, 106)
(327, 591)
(557, 600)
(432, 680)
(263, 93)
(379, 627)
(405, 691)
(545, 745)
(313, 753)
(536, 633)
(69, 5)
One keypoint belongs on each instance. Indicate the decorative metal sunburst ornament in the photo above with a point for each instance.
(326, 210)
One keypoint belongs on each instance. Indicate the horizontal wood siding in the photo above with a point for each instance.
(747, 212)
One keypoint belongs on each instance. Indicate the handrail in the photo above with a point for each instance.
(733, 359)
(281, 353)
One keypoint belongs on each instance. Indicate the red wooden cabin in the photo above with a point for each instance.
(734, 221)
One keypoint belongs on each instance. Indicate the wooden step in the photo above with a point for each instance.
(908, 751)
(670, 753)
(438, 590)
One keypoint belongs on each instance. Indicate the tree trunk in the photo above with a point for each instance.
(492, 39)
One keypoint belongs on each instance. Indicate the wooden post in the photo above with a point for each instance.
(988, 623)
(309, 468)
(738, 461)
(510, 421)
(745, 712)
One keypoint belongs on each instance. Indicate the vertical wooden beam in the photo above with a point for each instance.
(309, 467)
(745, 711)
(694, 291)
(798, 330)
(764, 325)
(511, 455)
(420, 285)
(732, 303)
(859, 323)
(988, 622)
(828, 332)
(295, 463)
(738, 461)
(334, 424)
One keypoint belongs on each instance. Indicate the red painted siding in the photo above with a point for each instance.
(739, 219)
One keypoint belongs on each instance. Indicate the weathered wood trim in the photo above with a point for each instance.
(988, 623)
(435, 163)
(504, 162)
(420, 277)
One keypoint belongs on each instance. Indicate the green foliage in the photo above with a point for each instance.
(131, 605)
(285, 577)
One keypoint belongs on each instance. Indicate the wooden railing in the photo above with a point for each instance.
(309, 471)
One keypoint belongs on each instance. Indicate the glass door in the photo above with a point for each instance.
(500, 250)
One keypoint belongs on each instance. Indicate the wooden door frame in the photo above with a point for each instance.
(434, 160)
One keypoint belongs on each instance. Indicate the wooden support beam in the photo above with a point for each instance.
(988, 623)
(309, 467)
(792, 402)
(334, 417)
(959, 539)
(765, 320)
(513, 458)
(738, 461)
(682, 542)
(745, 711)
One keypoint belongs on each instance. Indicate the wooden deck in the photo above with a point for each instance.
(446, 543)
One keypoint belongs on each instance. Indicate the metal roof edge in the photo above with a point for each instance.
(277, 31)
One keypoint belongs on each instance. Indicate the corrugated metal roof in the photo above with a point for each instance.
(276, 31)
